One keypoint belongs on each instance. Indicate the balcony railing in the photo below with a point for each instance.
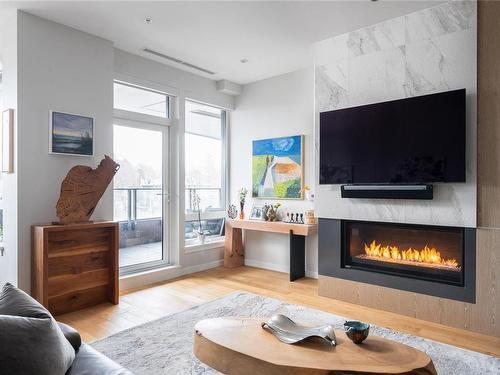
(132, 204)
(139, 212)
(139, 203)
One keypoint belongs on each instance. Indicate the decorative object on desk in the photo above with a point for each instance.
(266, 209)
(308, 194)
(243, 195)
(289, 332)
(310, 218)
(232, 211)
(272, 212)
(356, 331)
(200, 233)
(294, 218)
(71, 134)
(7, 141)
(277, 167)
(257, 213)
(81, 190)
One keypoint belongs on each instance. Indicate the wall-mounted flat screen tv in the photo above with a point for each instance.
(406, 141)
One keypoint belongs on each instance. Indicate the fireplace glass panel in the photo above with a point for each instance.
(423, 252)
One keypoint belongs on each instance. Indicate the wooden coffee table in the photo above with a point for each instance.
(241, 346)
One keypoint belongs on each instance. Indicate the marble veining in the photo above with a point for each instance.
(385, 35)
(421, 53)
(424, 69)
(330, 93)
(443, 19)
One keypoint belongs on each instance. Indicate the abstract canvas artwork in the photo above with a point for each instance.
(277, 167)
(71, 134)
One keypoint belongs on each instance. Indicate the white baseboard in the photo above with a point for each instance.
(202, 267)
(276, 267)
(312, 274)
(163, 274)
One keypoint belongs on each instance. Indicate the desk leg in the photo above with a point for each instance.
(234, 252)
(297, 256)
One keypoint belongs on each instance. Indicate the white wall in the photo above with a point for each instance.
(63, 69)
(278, 106)
(8, 56)
(428, 51)
(190, 85)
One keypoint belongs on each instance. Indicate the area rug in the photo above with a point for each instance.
(164, 346)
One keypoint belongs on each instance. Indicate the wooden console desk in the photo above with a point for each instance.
(234, 250)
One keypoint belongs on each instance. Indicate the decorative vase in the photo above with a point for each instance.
(272, 214)
(201, 238)
(309, 195)
(232, 211)
(242, 212)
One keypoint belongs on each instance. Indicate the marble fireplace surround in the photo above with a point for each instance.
(424, 52)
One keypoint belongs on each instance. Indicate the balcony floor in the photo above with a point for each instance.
(140, 254)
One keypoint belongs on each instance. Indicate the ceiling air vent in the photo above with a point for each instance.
(178, 61)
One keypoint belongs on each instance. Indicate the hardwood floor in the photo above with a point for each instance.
(142, 305)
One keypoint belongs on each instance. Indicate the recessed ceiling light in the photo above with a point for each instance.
(148, 20)
(243, 61)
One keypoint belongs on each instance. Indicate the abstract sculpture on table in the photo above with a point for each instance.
(81, 190)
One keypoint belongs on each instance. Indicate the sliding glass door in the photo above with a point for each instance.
(141, 195)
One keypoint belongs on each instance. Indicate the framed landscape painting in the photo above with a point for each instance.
(278, 168)
(71, 134)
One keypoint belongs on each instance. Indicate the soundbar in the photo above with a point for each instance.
(423, 191)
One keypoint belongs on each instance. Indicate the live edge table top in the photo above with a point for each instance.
(240, 346)
(274, 226)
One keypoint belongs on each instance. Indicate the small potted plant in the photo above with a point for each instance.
(200, 233)
(243, 195)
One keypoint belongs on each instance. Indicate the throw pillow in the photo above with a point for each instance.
(31, 342)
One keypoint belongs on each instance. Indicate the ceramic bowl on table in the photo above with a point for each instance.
(356, 331)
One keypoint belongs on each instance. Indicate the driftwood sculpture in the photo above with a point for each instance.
(81, 190)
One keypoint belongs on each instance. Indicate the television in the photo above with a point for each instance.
(407, 141)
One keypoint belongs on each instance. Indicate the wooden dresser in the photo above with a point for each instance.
(74, 266)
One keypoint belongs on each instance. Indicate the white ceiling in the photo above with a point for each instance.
(275, 37)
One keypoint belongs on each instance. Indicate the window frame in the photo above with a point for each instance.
(138, 120)
(144, 117)
(215, 241)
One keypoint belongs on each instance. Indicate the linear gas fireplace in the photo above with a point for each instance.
(427, 259)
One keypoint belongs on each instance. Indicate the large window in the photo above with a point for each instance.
(205, 171)
(140, 185)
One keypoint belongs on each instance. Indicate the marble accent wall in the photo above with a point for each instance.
(428, 51)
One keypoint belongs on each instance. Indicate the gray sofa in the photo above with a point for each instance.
(33, 343)
(89, 361)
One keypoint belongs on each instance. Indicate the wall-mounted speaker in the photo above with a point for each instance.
(423, 191)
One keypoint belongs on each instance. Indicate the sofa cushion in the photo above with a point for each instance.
(89, 361)
(71, 335)
(31, 342)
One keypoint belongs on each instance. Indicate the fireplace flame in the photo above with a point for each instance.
(428, 254)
